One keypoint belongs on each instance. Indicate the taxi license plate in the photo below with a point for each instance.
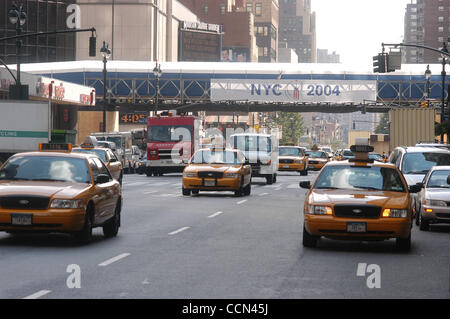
(21, 219)
(356, 227)
(285, 166)
(209, 183)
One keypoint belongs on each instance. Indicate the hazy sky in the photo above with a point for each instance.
(355, 29)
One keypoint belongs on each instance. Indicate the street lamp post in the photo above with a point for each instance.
(427, 90)
(106, 53)
(157, 72)
(444, 49)
(18, 17)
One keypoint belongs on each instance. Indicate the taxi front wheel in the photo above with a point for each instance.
(84, 236)
(309, 240)
(186, 192)
(111, 228)
(404, 244)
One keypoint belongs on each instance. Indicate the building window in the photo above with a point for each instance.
(441, 19)
(249, 7)
(258, 9)
(441, 8)
(266, 51)
(205, 8)
(441, 39)
(222, 8)
(260, 51)
(440, 29)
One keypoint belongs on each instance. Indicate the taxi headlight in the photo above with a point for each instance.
(395, 213)
(190, 174)
(67, 203)
(319, 210)
(232, 175)
(432, 202)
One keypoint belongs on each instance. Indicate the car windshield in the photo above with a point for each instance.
(216, 157)
(290, 151)
(438, 179)
(420, 163)
(354, 177)
(316, 154)
(376, 157)
(347, 153)
(99, 153)
(46, 168)
(169, 133)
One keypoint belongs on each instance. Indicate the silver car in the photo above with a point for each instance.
(434, 198)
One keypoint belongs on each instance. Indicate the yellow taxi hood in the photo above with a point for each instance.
(212, 168)
(50, 189)
(342, 196)
(321, 159)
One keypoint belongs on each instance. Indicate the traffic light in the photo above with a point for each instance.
(92, 45)
(379, 63)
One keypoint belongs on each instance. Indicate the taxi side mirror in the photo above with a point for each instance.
(305, 184)
(102, 179)
(415, 188)
(113, 160)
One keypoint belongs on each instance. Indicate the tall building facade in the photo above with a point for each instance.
(426, 23)
(324, 57)
(266, 14)
(239, 40)
(140, 30)
(42, 16)
(298, 29)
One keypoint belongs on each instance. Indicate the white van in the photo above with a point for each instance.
(261, 151)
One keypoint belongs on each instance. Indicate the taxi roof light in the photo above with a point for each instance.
(55, 147)
(89, 142)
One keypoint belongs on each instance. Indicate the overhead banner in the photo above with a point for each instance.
(293, 91)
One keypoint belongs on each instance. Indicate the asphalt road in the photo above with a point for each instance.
(215, 245)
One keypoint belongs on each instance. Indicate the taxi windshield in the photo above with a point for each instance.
(216, 157)
(46, 168)
(99, 153)
(290, 151)
(354, 178)
(316, 154)
(421, 163)
(438, 179)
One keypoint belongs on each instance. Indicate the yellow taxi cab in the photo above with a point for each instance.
(316, 159)
(358, 199)
(292, 158)
(56, 190)
(106, 155)
(217, 169)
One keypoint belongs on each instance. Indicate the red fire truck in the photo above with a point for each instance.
(171, 141)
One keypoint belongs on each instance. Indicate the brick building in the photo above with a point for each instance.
(426, 23)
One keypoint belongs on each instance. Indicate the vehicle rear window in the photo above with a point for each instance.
(46, 168)
(354, 177)
(421, 163)
(99, 153)
(290, 151)
(316, 154)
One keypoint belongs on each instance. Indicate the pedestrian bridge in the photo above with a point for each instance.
(252, 87)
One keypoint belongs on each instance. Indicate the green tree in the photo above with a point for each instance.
(291, 123)
(383, 125)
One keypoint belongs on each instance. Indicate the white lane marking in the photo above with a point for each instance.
(38, 294)
(178, 231)
(215, 214)
(150, 192)
(293, 186)
(241, 202)
(135, 184)
(114, 259)
(263, 194)
(146, 282)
